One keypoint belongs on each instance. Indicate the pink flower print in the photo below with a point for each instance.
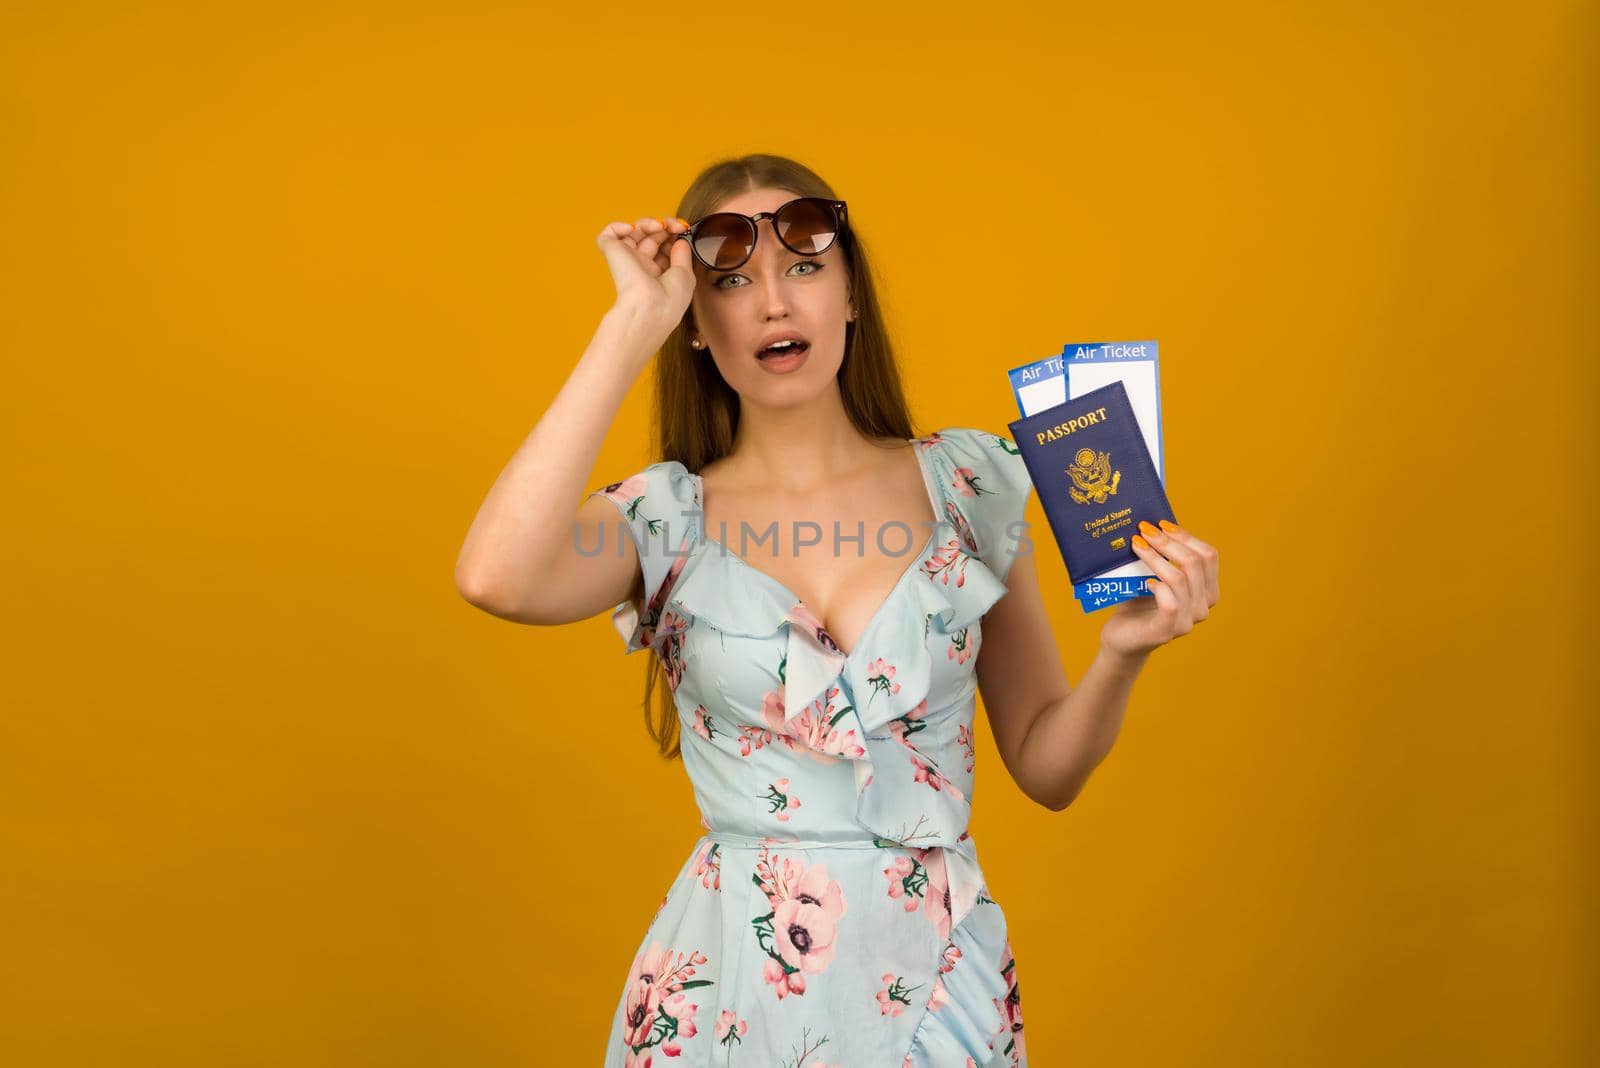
(836, 742)
(772, 706)
(678, 560)
(960, 647)
(806, 924)
(1011, 1008)
(812, 730)
(631, 1059)
(905, 727)
(656, 624)
(946, 562)
(703, 725)
(965, 739)
(751, 736)
(936, 898)
(931, 440)
(941, 993)
(782, 802)
(800, 932)
(708, 865)
(671, 648)
(639, 1013)
(682, 1011)
(952, 953)
(962, 528)
(789, 879)
(940, 996)
(657, 1009)
(894, 997)
(629, 492)
(880, 676)
(783, 982)
(730, 1029)
(924, 771)
(966, 483)
(908, 881)
(776, 880)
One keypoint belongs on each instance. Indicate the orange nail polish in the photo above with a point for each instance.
(1169, 526)
(1146, 528)
(1140, 542)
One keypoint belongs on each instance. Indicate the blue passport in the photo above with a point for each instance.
(1089, 462)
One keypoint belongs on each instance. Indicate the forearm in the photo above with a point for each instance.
(516, 533)
(1070, 738)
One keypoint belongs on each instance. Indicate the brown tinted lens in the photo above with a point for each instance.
(723, 240)
(806, 226)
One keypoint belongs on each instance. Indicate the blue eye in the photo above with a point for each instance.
(803, 263)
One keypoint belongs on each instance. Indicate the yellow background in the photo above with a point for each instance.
(283, 289)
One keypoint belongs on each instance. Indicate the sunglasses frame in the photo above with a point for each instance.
(837, 207)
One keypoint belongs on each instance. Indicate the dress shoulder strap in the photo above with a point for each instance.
(985, 486)
(658, 509)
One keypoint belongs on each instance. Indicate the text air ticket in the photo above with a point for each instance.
(1081, 367)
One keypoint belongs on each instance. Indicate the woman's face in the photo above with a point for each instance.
(734, 313)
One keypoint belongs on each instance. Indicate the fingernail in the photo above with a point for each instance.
(1169, 526)
(1147, 528)
(1140, 542)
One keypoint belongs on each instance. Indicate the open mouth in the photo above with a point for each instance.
(783, 348)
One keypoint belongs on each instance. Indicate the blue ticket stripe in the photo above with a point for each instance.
(1102, 593)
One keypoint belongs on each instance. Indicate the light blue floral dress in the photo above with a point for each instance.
(834, 914)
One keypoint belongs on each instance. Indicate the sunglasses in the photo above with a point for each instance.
(807, 226)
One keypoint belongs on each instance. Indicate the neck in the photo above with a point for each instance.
(800, 448)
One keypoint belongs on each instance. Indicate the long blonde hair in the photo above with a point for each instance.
(695, 413)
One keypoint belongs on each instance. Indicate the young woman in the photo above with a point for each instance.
(835, 912)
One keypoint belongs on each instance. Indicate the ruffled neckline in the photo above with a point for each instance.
(946, 583)
(792, 603)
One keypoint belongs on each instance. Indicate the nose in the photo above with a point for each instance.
(774, 304)
(766, 267)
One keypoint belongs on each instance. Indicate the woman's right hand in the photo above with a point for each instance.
(653, 271)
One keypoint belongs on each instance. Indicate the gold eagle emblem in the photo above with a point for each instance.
(1091, 472)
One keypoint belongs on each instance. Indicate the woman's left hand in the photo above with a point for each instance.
(1185, 589)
